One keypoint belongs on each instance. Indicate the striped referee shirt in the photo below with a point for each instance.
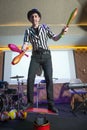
(38, 37)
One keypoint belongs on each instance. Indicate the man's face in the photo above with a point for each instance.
(35, 19)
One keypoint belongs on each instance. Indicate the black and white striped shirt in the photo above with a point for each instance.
(39, 37)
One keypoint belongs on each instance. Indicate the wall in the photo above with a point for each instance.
(81, 64)
(63, 66)
(1, 64)
(55, 14)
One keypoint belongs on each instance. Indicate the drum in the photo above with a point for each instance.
(15, 97)
(10, 91)
(19, 99)
(3, 101)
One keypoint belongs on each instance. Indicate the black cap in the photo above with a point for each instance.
(32, 11)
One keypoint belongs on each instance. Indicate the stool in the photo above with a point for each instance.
(40, 85)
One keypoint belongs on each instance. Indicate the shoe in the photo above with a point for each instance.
(53, 109)
(29, 105)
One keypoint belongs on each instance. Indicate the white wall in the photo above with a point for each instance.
(63, 66)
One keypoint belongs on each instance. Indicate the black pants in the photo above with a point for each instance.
(43, 59)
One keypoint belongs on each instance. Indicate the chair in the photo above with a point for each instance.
(39, 86)
(79, 95)
(78, 92)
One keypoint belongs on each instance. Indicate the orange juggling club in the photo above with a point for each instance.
(18, 57)
(72, 16)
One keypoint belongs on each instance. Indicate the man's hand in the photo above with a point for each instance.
(64, 30)
(25, 46)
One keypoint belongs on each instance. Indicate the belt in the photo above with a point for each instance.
(42, 52)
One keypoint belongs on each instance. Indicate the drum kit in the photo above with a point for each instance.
(12, 98)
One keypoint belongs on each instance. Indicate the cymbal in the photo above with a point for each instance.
(16, 77)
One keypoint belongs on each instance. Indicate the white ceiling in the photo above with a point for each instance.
(53, 11)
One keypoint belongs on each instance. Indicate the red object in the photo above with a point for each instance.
(14, 48)
(41, 111)
(42, 127)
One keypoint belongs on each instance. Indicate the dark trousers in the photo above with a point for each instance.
(43, 59)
